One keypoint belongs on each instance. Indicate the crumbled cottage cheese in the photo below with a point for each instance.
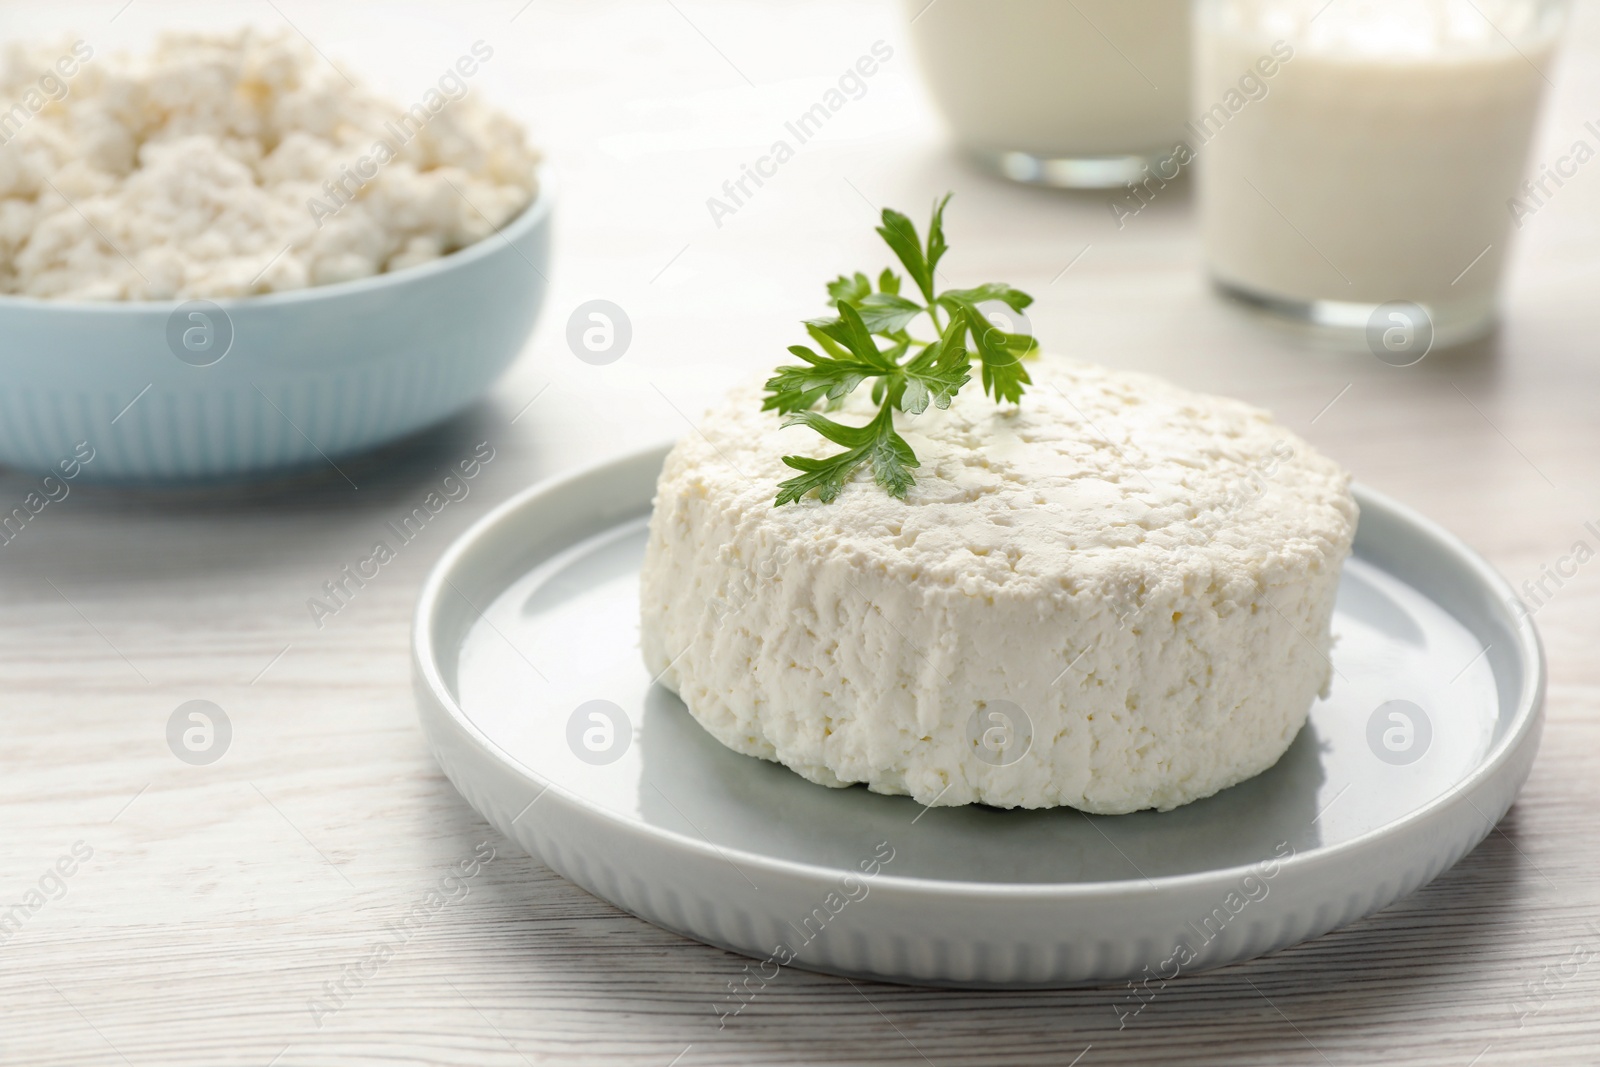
(227, 166)
(1140, 578)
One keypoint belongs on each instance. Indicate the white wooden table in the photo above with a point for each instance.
(229, 913)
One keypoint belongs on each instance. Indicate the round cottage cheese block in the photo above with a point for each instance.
(1113, 596)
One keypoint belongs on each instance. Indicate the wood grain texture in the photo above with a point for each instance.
(221, 901)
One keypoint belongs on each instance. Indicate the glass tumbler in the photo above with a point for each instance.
(1360, 163)
(1072, 93)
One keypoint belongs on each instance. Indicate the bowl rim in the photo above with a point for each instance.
(534, 214)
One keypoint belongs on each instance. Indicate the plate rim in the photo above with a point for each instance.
(1526, 722)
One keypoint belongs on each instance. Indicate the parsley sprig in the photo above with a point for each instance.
(870, 339)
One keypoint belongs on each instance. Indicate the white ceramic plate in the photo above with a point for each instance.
(539, 709)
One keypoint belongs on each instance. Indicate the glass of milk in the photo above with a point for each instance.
(1074, 93)
(1368, 183)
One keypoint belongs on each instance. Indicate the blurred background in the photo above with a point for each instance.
(221, 898)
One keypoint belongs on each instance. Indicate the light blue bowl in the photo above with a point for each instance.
(305, 377)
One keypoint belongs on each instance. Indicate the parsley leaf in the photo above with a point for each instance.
(870, 339)
(876, 443)
(888, 313)
(1001, 352)
(799, 388)
(849, 331)
(937, 372)
(848, 288)
(936, 242)
(900, 234)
